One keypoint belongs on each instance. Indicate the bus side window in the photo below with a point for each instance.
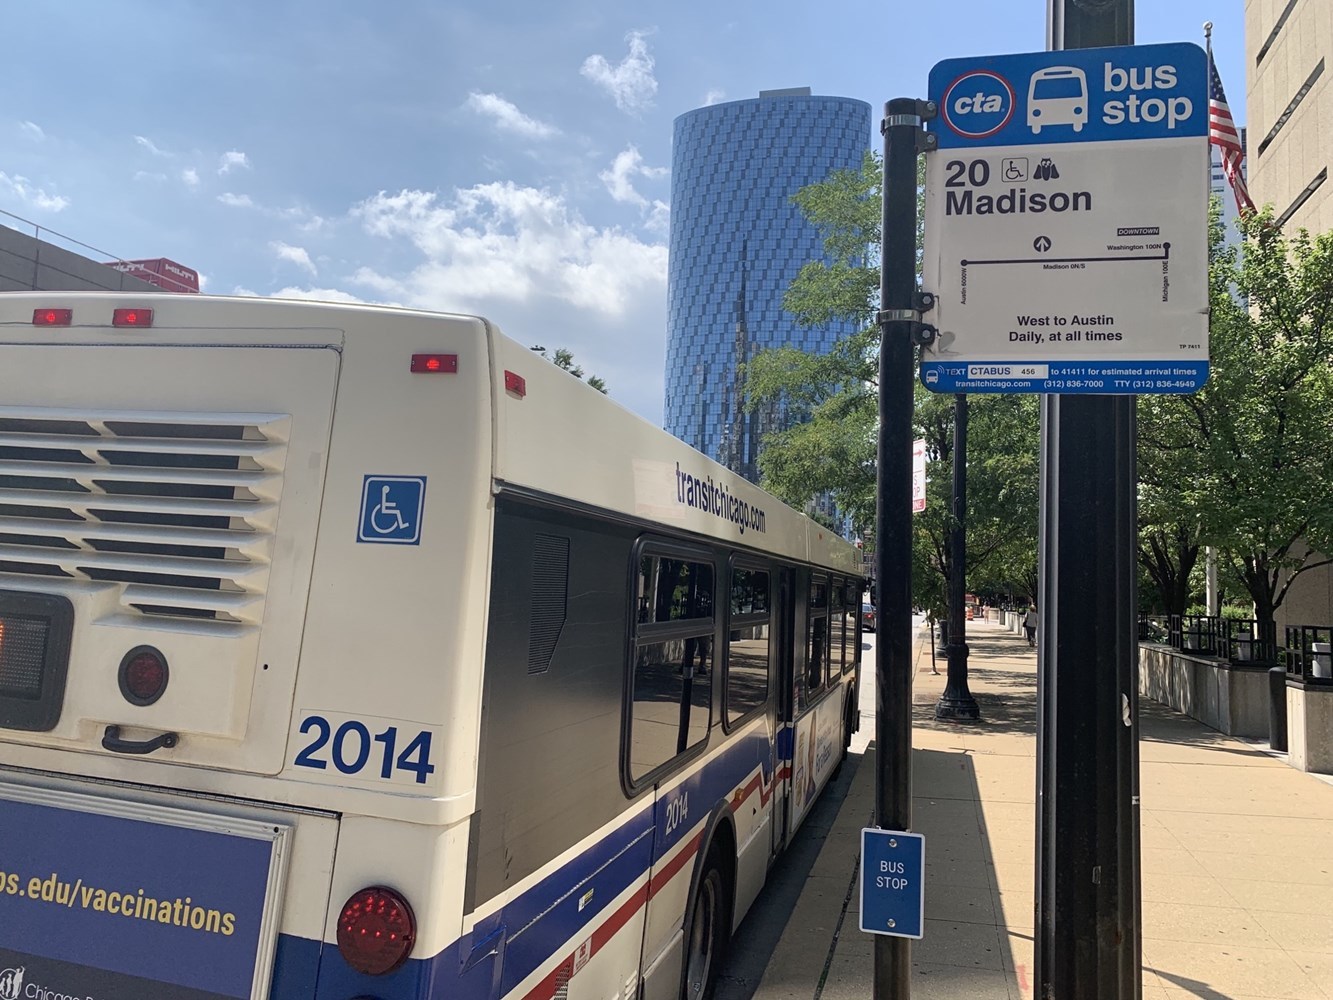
(673, 650)
(817, 629)
(748, 633)
(837, 631)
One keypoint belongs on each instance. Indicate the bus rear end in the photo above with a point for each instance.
(215, 757)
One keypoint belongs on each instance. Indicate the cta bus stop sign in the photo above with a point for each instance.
(893, 882)
(1067, 221)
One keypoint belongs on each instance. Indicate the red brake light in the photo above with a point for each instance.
(516, 384)
(52, 317)
(143, 675)
(376, 930)
(434, 363)
(132, 317)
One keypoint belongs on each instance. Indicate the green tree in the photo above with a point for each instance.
(832, 451)
(564, 358)
(1246, 462)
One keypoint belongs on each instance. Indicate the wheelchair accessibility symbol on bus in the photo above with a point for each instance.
(391, 508)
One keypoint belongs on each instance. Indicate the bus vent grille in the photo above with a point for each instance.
(177, 510)
(550, 598)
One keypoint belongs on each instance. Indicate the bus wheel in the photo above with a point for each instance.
(709, 930)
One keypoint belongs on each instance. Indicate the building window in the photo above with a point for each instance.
(1291, 108)
(1272, 35)
(1303, 197)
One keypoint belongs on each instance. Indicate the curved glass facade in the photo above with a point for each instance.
(736, 244)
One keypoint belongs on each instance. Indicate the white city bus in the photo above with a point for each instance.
(354, 652)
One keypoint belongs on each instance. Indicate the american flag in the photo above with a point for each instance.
(1222, 134)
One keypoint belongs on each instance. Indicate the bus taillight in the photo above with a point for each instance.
(376, 930)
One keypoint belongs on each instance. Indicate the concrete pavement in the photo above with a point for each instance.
(1237, 856)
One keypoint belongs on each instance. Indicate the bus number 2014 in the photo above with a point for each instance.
(677, 811)
(352, 749)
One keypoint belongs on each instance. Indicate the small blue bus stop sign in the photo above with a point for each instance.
(893, 882)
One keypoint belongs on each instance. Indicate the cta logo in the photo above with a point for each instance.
(978, 104)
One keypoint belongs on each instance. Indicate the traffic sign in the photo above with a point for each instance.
(1067, 222)
(893, 882)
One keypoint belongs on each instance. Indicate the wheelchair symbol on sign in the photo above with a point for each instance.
(387, 511)
(391, 508)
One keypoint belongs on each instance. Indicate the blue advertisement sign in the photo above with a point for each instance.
(108, 906)
(893, 882)
(391, 509)
(1074, 95)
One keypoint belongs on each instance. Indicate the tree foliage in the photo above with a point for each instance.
(1245, 464)
(564, 359)
(833, 450)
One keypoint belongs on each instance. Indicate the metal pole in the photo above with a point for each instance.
(1088, 934)
(956, 702)
(893, 544)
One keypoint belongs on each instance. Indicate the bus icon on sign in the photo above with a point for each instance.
(1057, 95)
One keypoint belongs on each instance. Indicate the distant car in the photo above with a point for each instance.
(868, 617)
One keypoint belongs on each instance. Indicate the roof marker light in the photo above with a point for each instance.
(435, 364)
(132, 317)
(52, 317)
(516, 384)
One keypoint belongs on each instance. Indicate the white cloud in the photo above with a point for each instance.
(233, 158)
(190, 176)
(32, 130)
(296, 255)
(20, 187)
(150, 146)
(631, 83)
(659, 217)
(507, 117)
(236, 200)
(714, 97)
(627, 165)
(501, 242)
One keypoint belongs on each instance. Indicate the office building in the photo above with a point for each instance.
(737, 241)
(1289, 109)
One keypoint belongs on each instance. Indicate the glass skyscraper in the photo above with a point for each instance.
(737, 241)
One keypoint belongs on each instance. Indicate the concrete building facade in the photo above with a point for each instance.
(1289, 109)
(31, 264)
(736, 243)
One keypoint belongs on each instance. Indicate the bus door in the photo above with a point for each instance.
(784, 686)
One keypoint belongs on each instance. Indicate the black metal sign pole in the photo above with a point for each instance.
(898, 324)
(1088, 933)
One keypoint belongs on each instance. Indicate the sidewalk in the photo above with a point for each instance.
(1237, 857)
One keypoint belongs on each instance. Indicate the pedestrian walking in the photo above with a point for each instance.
(1030, 624)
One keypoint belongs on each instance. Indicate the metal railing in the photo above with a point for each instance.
(1309, 652)
(1305, 651)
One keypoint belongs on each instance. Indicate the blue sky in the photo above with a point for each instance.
(504, 158)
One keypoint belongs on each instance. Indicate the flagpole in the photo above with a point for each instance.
(1208, 48)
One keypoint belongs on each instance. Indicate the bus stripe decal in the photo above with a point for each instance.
(601, 936)
(668, 871)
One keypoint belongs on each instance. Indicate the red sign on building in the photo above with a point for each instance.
(164, 273)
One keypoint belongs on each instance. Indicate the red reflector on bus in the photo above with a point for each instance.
(435, 363)
(143, 675)
(132, 317)
(516, 384)
(376, 931)
(52, 317)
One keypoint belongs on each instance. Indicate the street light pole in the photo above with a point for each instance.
(957, 703)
